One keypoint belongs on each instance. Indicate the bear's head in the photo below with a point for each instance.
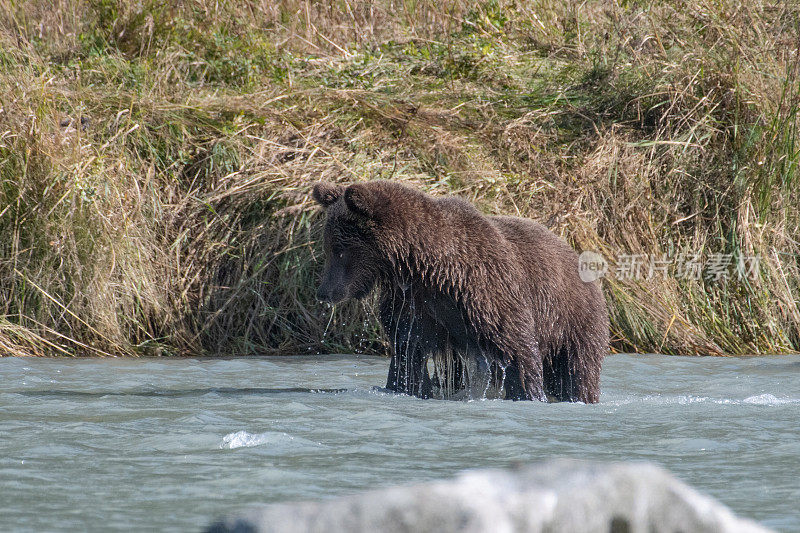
(353, 259)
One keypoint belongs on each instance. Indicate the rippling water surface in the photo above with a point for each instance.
(169, 444)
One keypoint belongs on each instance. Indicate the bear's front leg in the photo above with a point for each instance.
(408, 371)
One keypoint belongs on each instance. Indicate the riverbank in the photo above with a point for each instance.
(156, 162)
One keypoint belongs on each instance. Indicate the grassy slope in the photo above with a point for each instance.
(176, 217)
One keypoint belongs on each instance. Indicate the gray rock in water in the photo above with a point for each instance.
(553, 497)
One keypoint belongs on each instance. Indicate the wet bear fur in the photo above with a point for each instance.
(501, 293)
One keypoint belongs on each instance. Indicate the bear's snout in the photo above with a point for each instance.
(322, 294)
(330, 295)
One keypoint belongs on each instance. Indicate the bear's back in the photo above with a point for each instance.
(537, 246)
(551, 266)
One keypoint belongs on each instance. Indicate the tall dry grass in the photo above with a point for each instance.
(156, 159)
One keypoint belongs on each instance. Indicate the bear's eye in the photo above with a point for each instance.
(340, 255)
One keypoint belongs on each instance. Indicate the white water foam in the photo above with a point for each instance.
(243, 439)
(768, 399)
(760, 399)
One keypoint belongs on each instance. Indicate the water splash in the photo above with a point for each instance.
(328, 325)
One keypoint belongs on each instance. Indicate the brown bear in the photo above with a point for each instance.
(502, 293)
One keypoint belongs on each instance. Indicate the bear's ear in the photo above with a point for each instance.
(325, 193)
(364, 200)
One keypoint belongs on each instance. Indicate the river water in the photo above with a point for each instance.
(170, 444)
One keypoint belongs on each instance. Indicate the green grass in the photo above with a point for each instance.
(176, 219)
